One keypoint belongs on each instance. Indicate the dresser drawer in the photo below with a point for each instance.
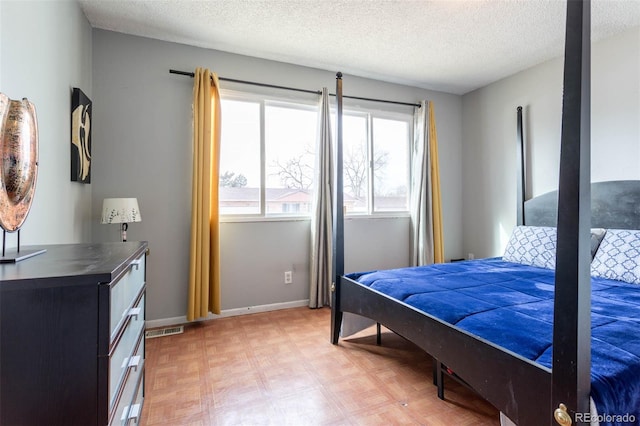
(123, 291)
(128, 352)
(122, 414)
(135, 409)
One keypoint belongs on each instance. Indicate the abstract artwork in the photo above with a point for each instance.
(80, 137)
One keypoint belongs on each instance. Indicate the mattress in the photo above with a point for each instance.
(511, 305)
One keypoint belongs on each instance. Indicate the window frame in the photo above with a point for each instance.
(370, 114)
(270, 99)
(265, 100)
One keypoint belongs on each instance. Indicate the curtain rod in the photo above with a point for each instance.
(317, 92)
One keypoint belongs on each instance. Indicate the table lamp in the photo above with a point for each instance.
(121, 210)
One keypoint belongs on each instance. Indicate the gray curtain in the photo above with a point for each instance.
(421, 198)
(322, 218)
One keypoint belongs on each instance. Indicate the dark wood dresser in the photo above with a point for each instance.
(72, 336)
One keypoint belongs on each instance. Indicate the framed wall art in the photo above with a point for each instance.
(80, 137)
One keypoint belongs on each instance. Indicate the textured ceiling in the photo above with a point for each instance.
(453, 46)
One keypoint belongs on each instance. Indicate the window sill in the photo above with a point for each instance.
(285, 218)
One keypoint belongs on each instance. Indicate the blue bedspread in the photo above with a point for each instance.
(512, 305)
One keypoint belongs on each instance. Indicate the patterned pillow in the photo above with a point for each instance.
(618, 257)
(532, 245)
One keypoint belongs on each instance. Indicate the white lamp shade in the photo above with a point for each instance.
(120, 210)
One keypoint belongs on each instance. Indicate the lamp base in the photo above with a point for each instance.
(13, 256)
(123, 232)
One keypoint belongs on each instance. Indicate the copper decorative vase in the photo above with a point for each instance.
(19, 168)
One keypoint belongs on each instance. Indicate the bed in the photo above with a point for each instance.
(575, 345)
(510, 304)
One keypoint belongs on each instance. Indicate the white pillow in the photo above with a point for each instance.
(532, 245)
(618, 257)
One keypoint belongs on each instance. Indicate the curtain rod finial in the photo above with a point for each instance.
(338, 74)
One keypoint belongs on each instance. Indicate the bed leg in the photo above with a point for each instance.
(435, 372)
(438, 378)
(378, 334)
(336, 323)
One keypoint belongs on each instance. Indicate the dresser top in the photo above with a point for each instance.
(99, 262)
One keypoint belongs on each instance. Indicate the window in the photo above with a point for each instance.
(290, 139)
(376, 162)
(240, 158)
(267, 157)
(390, 165)
(355, 163)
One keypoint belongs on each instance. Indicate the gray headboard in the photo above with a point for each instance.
(614, 204)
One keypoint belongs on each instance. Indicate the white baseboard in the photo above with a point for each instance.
(227, 313)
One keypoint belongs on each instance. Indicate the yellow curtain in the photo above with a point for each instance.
(204, 265)
(436, 203)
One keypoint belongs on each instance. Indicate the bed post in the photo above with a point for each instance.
(338, 222)
(572, 311)
(521, 170)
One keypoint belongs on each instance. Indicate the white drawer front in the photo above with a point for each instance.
(122, 414)
(123, 357)
(123, 293)
(135, 410)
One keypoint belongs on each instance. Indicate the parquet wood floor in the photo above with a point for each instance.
(279, 368)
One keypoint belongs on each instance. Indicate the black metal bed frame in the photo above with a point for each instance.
(528, 393)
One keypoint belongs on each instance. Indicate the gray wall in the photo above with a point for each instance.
(274, 247)
(489, 137)
(142, 148)
(45, 51)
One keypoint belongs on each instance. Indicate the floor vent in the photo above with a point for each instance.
(164, 332)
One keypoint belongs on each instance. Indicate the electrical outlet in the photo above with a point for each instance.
(288, 277)
(471, 256)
